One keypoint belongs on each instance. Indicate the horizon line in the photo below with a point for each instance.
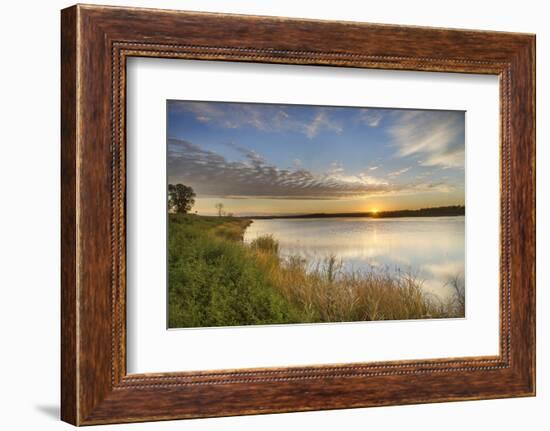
(459, 207)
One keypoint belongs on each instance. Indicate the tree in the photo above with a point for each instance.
(219, 207)
(181, 198)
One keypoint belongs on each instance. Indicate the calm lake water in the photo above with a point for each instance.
(430, 247)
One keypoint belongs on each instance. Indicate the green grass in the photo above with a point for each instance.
(214, 280)
(217, 280)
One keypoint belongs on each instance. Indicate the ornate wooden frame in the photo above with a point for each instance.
(95, 42)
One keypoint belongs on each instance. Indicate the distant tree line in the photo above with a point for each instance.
(453, 210)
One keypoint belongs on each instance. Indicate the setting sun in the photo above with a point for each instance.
(374, 210)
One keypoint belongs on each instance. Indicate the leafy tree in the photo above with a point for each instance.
(219, 207)
(181, 198)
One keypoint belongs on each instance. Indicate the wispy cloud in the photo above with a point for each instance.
(232, 116)
(212, 174)
(297, 163)
(321, 121)
(370, 117)
(263, 117)
(399, 172)
(437, 137)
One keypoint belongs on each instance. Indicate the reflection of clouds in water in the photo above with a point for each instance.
(442, 273)
(432, 248)
(446, 269)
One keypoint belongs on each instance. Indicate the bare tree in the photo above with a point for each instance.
(457, 283)
(219, 207)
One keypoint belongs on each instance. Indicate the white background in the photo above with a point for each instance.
(29, 225)
(151, 348)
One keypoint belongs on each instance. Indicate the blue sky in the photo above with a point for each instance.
(282, 159)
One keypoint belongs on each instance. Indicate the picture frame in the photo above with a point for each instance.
(96, 42)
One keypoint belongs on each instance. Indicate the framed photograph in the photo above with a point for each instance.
(264, 215)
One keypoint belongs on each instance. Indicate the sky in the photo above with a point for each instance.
(267, 159)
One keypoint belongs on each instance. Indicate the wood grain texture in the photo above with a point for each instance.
(69, 367)
(96, 41)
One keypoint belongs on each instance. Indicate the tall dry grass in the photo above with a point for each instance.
(325, 292)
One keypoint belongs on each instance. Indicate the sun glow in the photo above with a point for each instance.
(374, 210)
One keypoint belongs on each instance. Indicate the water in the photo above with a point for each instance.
(430, 247)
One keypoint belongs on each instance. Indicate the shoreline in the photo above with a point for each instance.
(328, 217)
(448, 211)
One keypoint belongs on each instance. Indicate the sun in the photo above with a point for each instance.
(374, 210)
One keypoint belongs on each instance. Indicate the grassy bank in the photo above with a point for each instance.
(217, 280)
(214, 280)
